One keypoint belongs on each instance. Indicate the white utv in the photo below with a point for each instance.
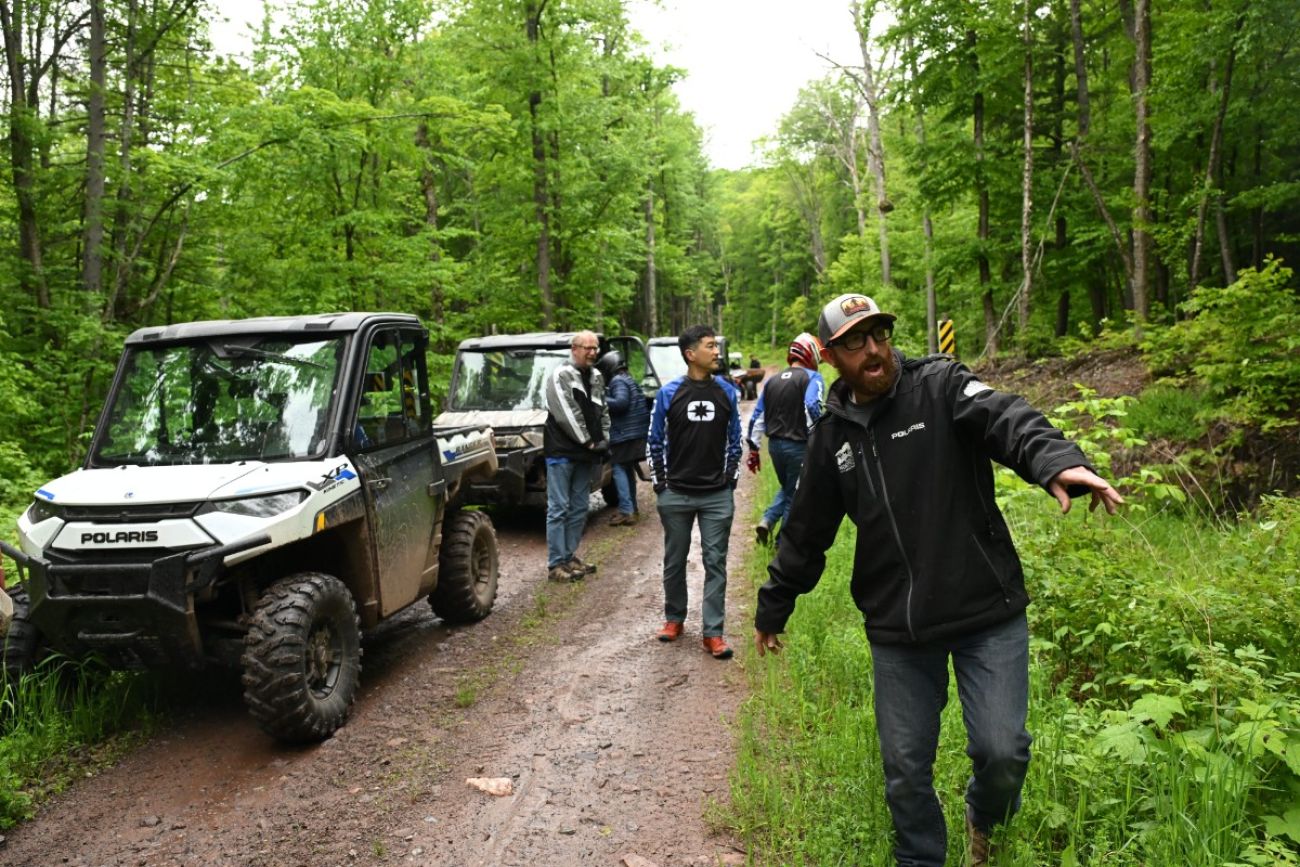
(500, 380)
(256, 492)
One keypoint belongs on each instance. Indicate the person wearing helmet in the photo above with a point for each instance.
(790, 403)
(629, 420)
(906, 451)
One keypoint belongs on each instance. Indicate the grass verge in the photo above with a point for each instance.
(1164, 702)
(67, 720)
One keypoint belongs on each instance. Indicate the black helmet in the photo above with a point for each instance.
(610, 363)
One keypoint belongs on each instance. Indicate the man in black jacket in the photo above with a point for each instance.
(905, 450)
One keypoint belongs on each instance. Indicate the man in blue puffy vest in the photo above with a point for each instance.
(629, 421)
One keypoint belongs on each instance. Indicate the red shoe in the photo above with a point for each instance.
(672, 630)
(717, 645)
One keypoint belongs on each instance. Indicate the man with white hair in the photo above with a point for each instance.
(575, 440)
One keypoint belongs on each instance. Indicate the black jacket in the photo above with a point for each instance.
(576, 414)
(934, 557)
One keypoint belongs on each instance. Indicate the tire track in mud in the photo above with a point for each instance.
(615, 743)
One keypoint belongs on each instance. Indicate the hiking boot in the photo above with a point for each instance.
(622, 519)
(717, 646)
(671, 631)
(562, 573)
(979, 848)
(580, 567)
(762, 531)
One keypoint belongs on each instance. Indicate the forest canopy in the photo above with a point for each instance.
(1036, 172)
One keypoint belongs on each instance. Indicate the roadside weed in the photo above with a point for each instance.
(1165, 699)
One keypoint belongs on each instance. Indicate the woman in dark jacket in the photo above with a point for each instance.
(629, 418)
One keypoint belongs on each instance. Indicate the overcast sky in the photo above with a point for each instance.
(745, 59)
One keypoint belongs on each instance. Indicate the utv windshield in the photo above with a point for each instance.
(503, 379)
(666, 358)
(223, 400)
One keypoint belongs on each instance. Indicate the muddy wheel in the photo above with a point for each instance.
(302, 657)
(467, 568)
(22, 643)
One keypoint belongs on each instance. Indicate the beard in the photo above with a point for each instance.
(871, 375)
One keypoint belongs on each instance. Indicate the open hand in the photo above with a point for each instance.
(767, 641)
(1102, 492)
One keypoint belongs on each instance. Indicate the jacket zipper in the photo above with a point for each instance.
(984, 506)
(898, 538)
(997, 576)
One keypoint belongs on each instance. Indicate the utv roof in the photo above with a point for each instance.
(333, 323)
(531, 340)
(671, 340)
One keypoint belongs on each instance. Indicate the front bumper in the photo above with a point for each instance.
(136, 614)
(517, 481)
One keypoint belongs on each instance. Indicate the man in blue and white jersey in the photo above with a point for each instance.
(694, 447)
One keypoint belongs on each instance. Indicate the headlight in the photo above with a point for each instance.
(261, 507)
(40, 510)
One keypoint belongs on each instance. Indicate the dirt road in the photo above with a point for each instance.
(615, 744)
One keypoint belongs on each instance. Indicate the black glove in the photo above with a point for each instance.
(660, 488)
(600, 448)
(733, 483)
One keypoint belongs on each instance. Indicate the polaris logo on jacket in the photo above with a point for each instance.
(899, 434)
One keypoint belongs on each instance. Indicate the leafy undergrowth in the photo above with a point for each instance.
(1223, 464)
(1165, 698)
(64, 721)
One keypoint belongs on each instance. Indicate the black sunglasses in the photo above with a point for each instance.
(855, 340)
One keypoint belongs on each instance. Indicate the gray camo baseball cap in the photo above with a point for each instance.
(846, 311)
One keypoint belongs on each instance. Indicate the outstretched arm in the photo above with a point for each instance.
(1102, 492)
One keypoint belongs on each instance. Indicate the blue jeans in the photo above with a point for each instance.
(678, 513)
(787, 461)
(568, 491)
(625, 482)
(911, 681)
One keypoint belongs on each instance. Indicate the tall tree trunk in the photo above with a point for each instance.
(1212, 163)
(1027, 185)
(1058, 160)
(810, 208)
(429, 187)
(1142, 162)
(1257, 214)
(1081, 137)
(92, 266)
(23, 118)
(875, 147)
(541, 191)
(927, 227)
(982, 191)
(651, 290)
(845, 148)
(1225, 241)
(123, 225)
